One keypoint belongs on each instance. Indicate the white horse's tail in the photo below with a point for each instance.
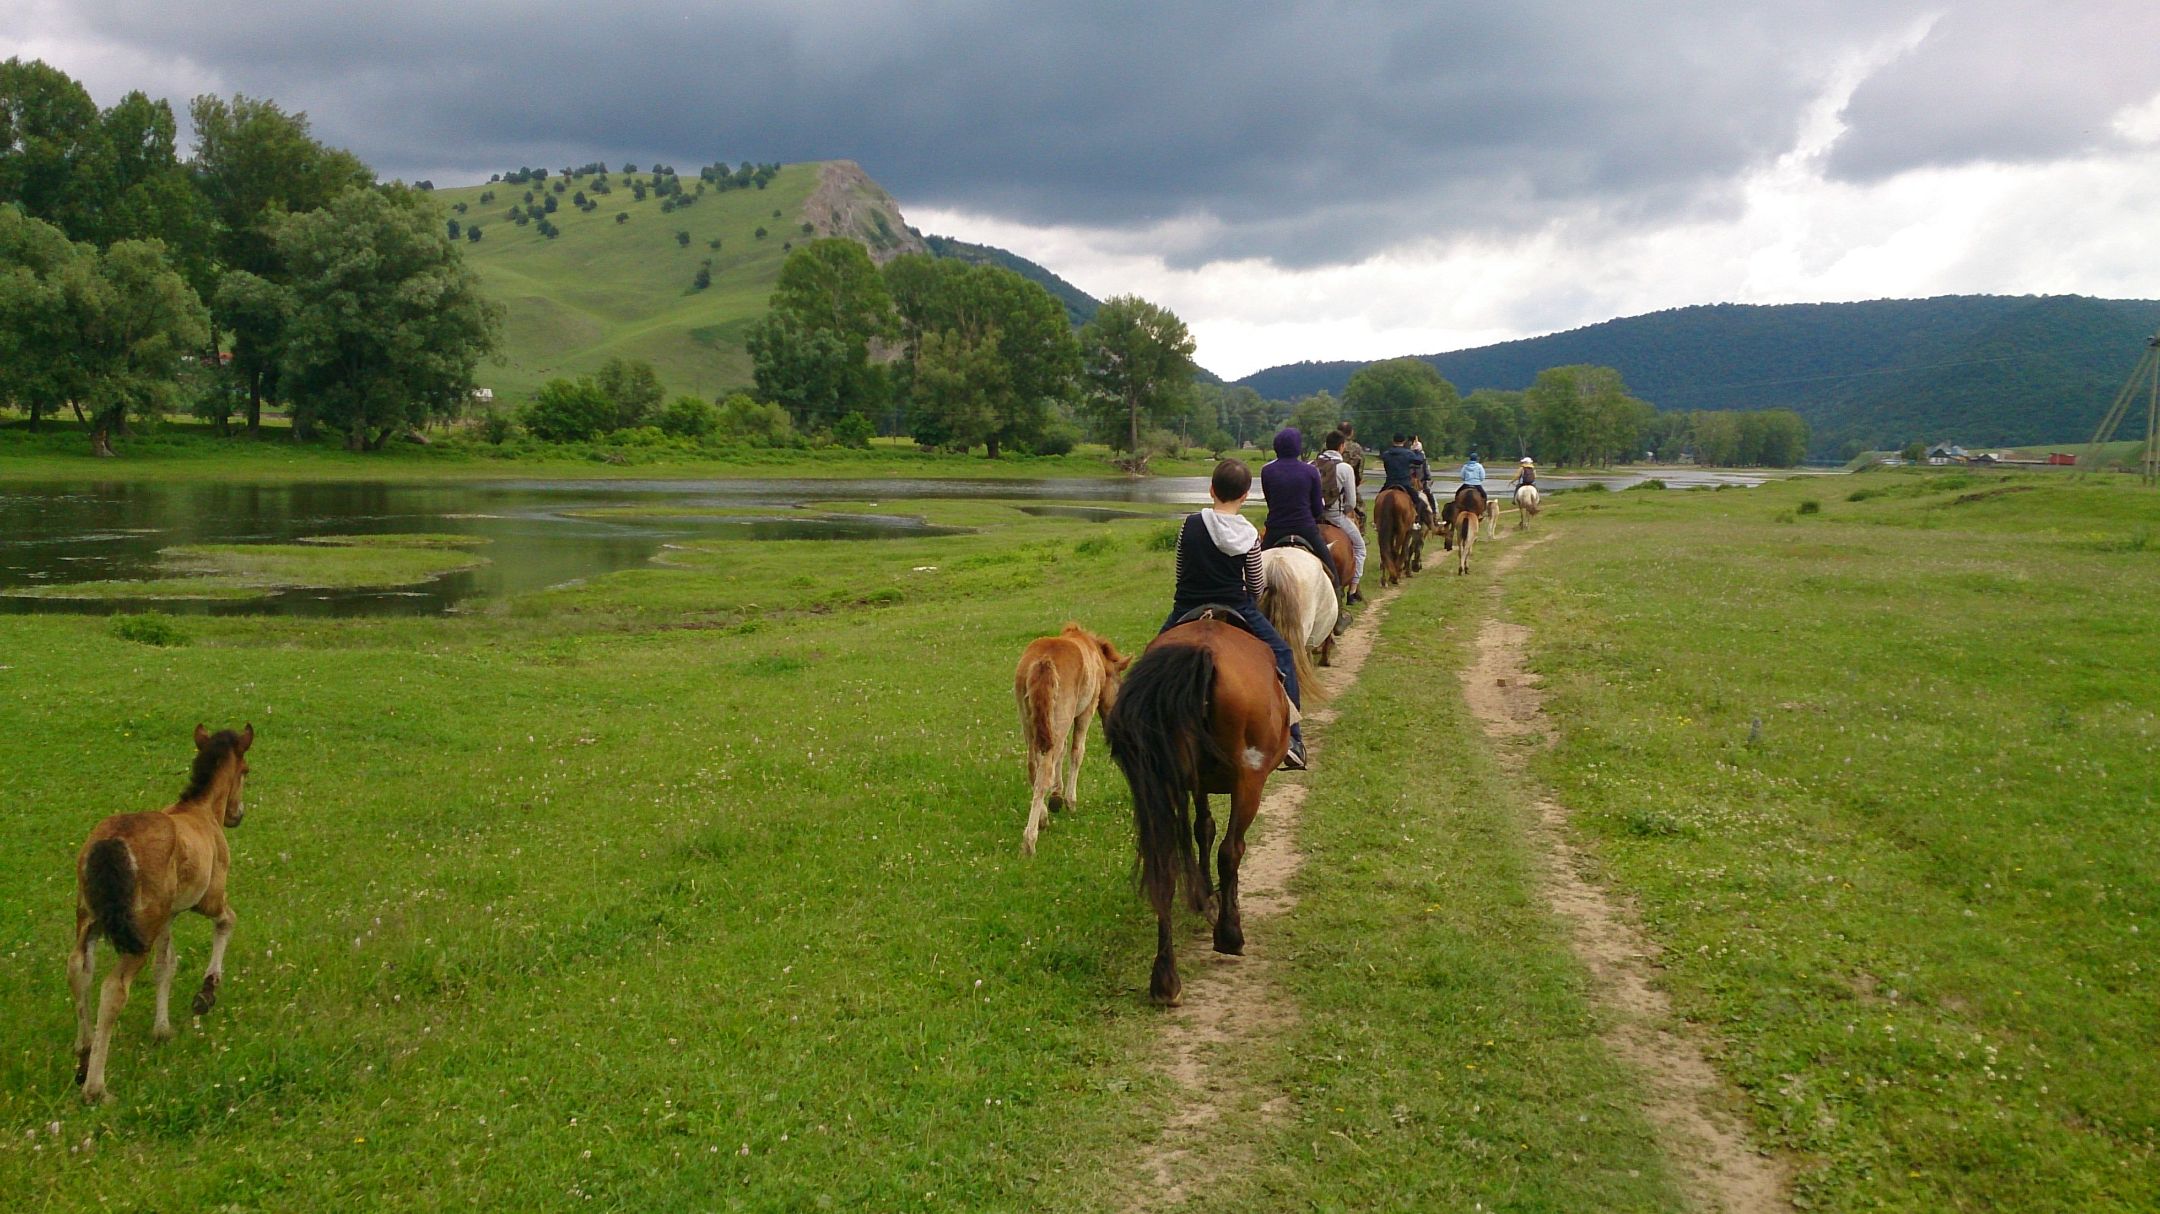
(1290, 601)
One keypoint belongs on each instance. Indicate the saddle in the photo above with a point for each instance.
(1221, 613)
(1291, 541)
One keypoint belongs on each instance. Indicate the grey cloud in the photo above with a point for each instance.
(2003, 82)
(1306, 132)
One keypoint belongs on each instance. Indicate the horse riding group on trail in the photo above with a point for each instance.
(1211, 708)
(1200, 713)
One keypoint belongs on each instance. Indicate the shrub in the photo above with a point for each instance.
(760, 233)
(1652, 483)
(472, 234)
(1059, 439)
(753, 421)
(1164, 540)
(854, 430)
(702, 279)
(682, 238)
(568, 411)
(497, 427)
(688, 417)
(149, 628)
(1219, 442)
(622, 217)
(1809, 506)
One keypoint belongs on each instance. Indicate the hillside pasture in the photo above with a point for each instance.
(605, 288)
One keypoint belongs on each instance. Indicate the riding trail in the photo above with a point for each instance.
(1231, 1002)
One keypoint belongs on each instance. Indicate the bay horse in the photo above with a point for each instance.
(1202, 712)
(1395, 516)
(1061, 681)
(134, 874)
(1299, 599)
(1526, 504)
(1467, 497)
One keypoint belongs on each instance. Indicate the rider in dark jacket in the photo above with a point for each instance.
(1292, 489)
(1403, 467)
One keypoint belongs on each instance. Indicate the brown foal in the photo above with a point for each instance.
(135, 873)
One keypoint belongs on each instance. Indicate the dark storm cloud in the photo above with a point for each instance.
(2004, 82)
(1297, 132)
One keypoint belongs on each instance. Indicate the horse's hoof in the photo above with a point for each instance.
(206, 998)
(1232, 943)
(94, 1095)
(163, 1033)
(82, 1066)
(1056, 802)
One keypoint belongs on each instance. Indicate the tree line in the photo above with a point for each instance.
(959, 355)
(1573, 415)
(264, 266)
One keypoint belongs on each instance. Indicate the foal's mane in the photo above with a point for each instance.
(222, 745)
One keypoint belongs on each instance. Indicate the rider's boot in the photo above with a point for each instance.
(1294, 758)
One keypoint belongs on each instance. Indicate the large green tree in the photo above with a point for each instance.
(1584, 414)
(388, 325)
(1407, 396)
(812, 352)
(256, 312)
(49, 140)
(1499, 423)
(1138, 360)
(104, 332)
(987, 357)
(255, 164)
(36, 332)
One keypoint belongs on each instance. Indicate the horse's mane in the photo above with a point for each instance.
(222, 744)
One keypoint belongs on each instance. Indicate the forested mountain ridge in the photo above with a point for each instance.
(1984, 370)
(1079, 305)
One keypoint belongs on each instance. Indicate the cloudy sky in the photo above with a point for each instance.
(1324, 179)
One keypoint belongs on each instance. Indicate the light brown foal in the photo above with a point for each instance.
(137, 872)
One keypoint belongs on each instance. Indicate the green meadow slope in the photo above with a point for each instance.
(606, 287)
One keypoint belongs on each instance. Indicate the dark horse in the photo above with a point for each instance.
(1201, 712)
(1396, 517)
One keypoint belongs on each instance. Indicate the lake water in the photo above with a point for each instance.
(538, 533)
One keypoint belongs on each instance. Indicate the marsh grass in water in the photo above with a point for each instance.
(1891, 809)
(243, 571)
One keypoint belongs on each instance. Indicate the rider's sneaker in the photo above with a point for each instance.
(1417, 526)
(1355, 598)
(1294, 758)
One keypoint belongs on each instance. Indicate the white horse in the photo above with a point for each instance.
(1526, 504)
(1299, 599)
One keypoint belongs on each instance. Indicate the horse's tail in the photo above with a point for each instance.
(1038, 703)
(1285, 601)
(1158, 734)
(109, 888)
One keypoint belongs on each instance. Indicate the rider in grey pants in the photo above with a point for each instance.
(1339, 494)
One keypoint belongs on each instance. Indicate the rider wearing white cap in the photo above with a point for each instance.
(1528, 474)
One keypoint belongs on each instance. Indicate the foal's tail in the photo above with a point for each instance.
(1039, 703)
(109, 888)
(1158, 733)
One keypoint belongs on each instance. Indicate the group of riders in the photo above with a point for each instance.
(1218, 549)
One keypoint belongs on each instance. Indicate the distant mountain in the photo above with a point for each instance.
(1984, 370)
(1080, 306)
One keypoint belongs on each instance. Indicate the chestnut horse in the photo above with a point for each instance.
(135, 873)
(1201, 712)
(1062, 680)
(1395, 515)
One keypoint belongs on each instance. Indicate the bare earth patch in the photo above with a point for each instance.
(1230, 1003)
(1687, 1100)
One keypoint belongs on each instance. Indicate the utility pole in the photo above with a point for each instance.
(2144, 381)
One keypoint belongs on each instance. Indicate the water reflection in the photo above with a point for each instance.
(538, 533)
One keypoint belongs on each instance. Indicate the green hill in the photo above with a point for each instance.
(1983, 370)
(606, 286)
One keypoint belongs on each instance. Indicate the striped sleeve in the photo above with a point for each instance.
(1255, 573)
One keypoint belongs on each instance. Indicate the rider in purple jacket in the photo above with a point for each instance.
(1292, 489)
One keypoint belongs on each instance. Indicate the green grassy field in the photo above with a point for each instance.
(1881, 777)
(698, 886)
(605, 288)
